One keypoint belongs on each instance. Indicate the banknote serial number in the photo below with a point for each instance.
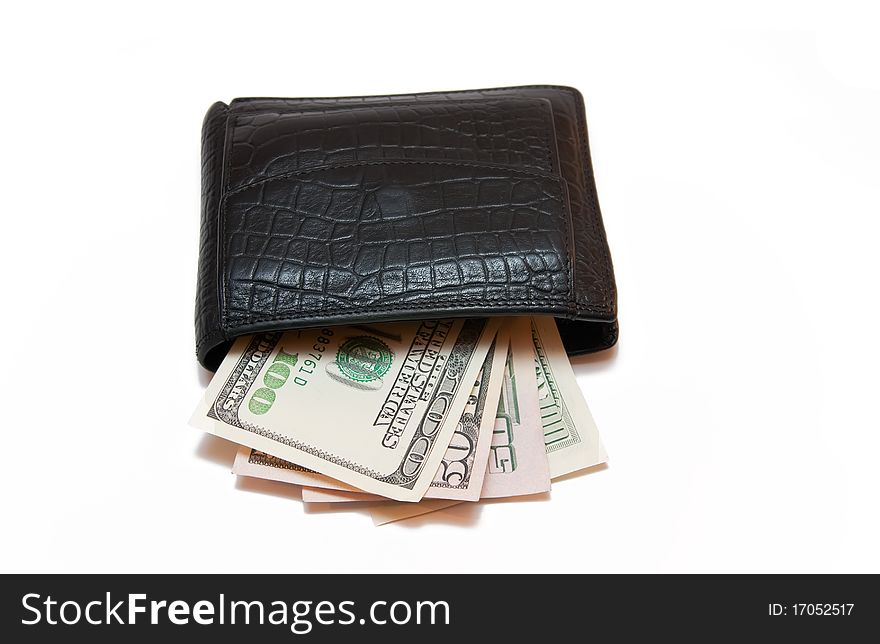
(311, 359)
(809, 609)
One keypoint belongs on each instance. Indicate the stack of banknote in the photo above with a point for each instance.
(413, 416)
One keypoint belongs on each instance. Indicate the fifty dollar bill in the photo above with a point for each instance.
(571, 439)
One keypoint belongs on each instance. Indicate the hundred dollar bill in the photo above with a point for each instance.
(463, 467)
(372, 406)
(570, 435)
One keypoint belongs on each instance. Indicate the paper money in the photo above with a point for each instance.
(463, 467)
(542, 426)
(373, 407)
(517, 462)
(570, 435)
(571, 439)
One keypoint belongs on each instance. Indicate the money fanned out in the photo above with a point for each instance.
(408, 417)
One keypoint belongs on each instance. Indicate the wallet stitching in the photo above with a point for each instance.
(221, 260)
(582, 137)
(357, 164)
(227, 150)
(542, 103)
(383, 308)
(370, 106)
(253, 99)
(367, 106)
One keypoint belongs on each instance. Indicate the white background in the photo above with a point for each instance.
(736, 156)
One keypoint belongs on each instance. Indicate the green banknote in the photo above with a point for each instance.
(374, 407)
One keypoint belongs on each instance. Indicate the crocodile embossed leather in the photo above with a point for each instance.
(319, 211)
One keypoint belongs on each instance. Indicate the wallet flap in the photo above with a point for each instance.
(331, 211)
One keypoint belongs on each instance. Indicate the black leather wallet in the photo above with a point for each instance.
(377, 208)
